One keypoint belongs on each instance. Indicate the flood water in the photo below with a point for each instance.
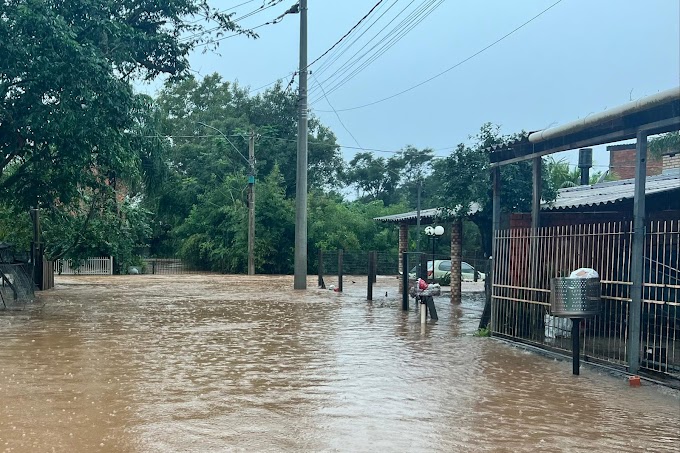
(230, 363)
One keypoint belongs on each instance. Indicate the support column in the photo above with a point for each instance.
(403, 247)
(488, 315)
(637, 264)
(456, 258)
(537, 188)
(534, 325)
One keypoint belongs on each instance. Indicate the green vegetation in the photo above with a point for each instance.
(483, 332)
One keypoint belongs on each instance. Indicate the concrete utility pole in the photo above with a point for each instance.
(300, 279)
(251, 204)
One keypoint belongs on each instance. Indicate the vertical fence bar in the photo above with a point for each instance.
(371, 268)
(404, 281)
(320, 270)
(340, 263)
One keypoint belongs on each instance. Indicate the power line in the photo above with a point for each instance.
(334, 145)
(336, 113)
(350, 61)
(335, 56)
(452, 67)
(384, 44)
(346, 34)
(238, 19)
(339, 40)
(221, 11)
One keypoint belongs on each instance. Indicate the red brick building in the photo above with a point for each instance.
(622, 162)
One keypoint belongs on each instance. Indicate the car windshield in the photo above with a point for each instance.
(466, 267)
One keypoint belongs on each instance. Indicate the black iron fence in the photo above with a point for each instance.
(165, 266)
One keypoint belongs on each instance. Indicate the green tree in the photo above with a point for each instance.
(560, 174)
(65, 94)
(70, 123)
(215, 235)
(464, 179)
(665, 142)
(198, 150)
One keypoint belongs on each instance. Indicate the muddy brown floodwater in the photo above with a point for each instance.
(199, 363)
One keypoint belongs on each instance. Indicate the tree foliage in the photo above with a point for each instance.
(464, 179)
(665, 143)
(391, 180)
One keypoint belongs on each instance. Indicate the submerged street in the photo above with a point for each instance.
(198, 363)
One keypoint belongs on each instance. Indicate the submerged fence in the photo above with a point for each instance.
(165, 266)
(527, 259)
(355, 262)
(90, 266)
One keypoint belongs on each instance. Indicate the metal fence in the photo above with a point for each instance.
(355, 262)
(527, 259)
(90, 266)
(165, 266)
(16, 285)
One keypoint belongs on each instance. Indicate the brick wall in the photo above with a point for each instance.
(671, 161)
(622, 162)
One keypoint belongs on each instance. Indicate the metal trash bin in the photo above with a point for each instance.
(575, 297)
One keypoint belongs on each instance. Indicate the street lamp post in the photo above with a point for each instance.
(434, 233)
(250, 160)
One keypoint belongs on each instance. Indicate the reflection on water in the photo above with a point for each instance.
(220, 363)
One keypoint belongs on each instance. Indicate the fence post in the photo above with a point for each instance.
(111, 265)
(340, 257)
(371, 264)
(404, 281)
(423, 267)
(375, 266)
(320, 269)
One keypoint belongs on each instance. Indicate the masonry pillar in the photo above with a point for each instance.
(456, 258)
(403, 247)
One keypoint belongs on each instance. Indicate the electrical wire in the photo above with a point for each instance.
(231, 8)
(383, 45)
(452, 67)
(346, 45)
(334, 145)
(236, 20)
(336, 113)
(346, 34)
(349, 60)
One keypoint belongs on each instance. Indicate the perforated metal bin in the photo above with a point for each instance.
(575, 297)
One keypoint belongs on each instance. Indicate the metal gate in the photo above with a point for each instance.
(526, 260)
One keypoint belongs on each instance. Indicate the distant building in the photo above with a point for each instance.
(622, 161)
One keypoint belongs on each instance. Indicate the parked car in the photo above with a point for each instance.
(443, 271)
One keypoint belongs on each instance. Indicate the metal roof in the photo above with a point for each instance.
(611, 192)
(425, 214)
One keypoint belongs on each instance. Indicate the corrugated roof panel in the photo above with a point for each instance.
(424, 214)
(610, 192)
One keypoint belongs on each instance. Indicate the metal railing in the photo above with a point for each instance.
(90, 266)
(527, 259)
(165, 266)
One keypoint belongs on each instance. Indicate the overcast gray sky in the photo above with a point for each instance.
(579, 57)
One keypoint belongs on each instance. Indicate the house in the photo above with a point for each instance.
(627, 230)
